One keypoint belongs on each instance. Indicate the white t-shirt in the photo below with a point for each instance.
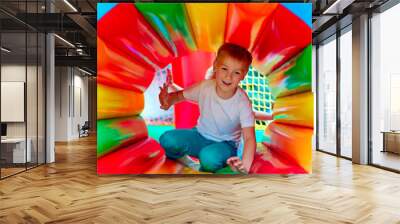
(220, 119)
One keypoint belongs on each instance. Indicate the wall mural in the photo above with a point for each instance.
(142, 46)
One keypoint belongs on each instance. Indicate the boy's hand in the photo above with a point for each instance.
(237, 165)
(163, 96)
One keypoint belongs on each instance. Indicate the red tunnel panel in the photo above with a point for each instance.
(245, 21)
(125, 29)
(282, 37)
(116, 70)
(134, 159)
(272, 162)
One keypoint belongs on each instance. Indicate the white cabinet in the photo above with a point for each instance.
(17, 146)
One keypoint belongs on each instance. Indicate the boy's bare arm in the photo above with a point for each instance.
(262, 116)
(249, 148)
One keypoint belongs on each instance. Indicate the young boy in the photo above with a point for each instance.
(225, 115)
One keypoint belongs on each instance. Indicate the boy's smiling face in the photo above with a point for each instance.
(228, 74)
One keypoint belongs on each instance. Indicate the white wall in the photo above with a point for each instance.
(13, 73)
(81, 82)
(62, 81)
(71, 94)
(79, 110)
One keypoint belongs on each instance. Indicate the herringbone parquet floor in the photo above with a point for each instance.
(69, 191)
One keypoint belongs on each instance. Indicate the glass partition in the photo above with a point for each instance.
(22, 77)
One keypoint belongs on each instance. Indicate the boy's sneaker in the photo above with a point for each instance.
(189, 162)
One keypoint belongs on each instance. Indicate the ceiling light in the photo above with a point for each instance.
(84, 71)
(70, 5)
(5, 50)
(79, 51)
(333, 6)
(65, 41)
(338, 6)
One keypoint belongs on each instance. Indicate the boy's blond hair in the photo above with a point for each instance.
(237, 52)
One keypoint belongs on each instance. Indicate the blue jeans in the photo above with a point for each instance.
(212, 155)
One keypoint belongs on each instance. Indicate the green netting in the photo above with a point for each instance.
(257, 88)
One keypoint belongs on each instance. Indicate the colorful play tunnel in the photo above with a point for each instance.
(136, 40)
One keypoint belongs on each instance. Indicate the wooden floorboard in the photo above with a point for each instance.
(69, 191)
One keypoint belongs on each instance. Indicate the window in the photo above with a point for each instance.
(346, 93)
(327, 96)
(385, 89)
